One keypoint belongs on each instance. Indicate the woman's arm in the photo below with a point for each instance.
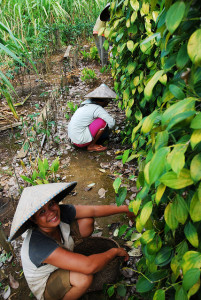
(67, 260)
(89, 211)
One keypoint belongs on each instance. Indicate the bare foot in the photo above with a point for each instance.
(97, 148)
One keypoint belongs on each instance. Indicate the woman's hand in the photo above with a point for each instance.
(122, 252)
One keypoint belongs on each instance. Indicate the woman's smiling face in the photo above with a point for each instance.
(48, 216)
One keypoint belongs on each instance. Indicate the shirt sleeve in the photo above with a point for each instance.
(40, 247)
(100, 112)
(68, 213)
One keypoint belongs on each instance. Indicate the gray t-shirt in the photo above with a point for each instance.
(38, 246)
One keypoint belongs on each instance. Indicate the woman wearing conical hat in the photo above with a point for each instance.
(99, 39)
(53, 271)
(89, 125)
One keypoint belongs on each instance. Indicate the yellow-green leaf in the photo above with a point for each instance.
(135, 4)
(175, 15)
(159, 193)
(194, 289)
(159, 295)
(177, 158)
(195, 138)
(191, 259)
(195, 167)
(133, 17)
(172, 180)
(177, 108)
(130, 46)
(149, 121)
(181, 209)
(152, 82)
(191, 234)
(195, 208)
(194, 47)
(146, 212)
(170, 217)
(147, 236)
(135, 205)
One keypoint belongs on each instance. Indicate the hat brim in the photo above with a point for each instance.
(105, 14)
(24, 225)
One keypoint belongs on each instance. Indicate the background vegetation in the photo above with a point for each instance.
(32, 30)
(156, 66)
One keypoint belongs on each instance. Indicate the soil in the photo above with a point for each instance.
(96, 169)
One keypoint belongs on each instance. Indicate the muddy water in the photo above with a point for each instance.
(85, 168)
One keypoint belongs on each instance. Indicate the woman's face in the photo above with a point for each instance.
(48, 216)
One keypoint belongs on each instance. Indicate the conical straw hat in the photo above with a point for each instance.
(32, 199)
(102, 92)
(105, 14)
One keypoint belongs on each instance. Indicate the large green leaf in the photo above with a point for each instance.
(163, 256)
(157, 164)
(177, 108)
(195, 208)
(176, 91)
(170, 218)
(190, 278)
(181, 294)
(196, 122)
(152, 82)
(182, 57)
(175, 15)
(181, 209)
(161, 139)
(143, 285)
(179, 118)
(195, 167)
(194, 47)
(177, 158)
(174, 181)
(191, 234)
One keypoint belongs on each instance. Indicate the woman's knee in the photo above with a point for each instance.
(86, 226)
(80, 280)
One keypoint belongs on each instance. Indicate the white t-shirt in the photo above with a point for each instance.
(78, 128)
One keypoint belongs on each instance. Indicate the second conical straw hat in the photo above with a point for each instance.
(102, 92)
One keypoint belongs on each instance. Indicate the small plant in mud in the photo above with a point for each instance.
(88, 75)
(71, 107)
(94, 53)
(86, 55)
(41, 171)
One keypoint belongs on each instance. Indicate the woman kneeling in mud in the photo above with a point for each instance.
(53, 271)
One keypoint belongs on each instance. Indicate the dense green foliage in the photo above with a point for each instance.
(156, 66)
